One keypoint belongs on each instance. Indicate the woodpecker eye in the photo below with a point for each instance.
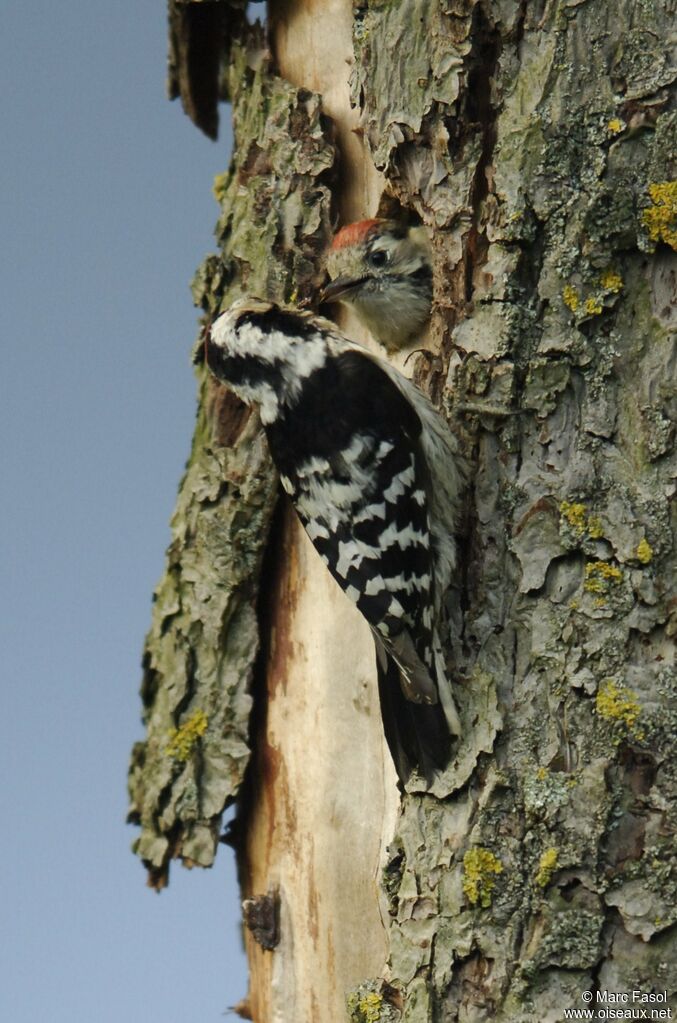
(377, 258)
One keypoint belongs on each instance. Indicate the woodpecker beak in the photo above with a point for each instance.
(339, 288)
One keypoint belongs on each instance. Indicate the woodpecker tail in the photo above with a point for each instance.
(417, 704)
(418, 734)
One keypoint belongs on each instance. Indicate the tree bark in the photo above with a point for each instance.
(534, 141)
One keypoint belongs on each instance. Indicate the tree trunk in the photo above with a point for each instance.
(534, 141)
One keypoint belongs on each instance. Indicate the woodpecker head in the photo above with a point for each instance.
(264, 352)
(383, 269)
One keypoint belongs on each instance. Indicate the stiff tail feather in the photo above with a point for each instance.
(418, 734)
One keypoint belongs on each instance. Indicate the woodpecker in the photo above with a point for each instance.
(384, 270)
(373, 472)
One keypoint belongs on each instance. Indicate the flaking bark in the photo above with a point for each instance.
(535, 141)
(202, 647)
(530, 137)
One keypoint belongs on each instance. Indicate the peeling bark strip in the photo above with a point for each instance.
(199, 38)
(535, 140)
(201, 650)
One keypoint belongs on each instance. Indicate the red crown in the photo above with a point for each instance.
(353, 234)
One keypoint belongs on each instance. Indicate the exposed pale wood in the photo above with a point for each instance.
(322, 790)
(314, 46)
(326, 797)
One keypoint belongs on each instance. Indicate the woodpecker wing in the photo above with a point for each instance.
(443, 474)
(348, 454)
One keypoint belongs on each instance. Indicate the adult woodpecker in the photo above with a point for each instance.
(383, 270)
(373, 472)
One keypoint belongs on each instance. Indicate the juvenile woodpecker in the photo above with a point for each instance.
(383, 269)
(372, 470)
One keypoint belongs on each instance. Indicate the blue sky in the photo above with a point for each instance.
(106, 212)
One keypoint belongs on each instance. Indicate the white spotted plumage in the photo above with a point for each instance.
(300, 360)
(373, 473)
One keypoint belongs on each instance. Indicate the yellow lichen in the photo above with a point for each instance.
(182, 740)
(576, 515)
(616, 703)
(570, 298)
(600, 576)
(595, 527)
(611, 281)
(365, 1008)
(644, 551)
(479, 869)
(615, 125)
(593, 306)
(370, 1007)
(546, 867)
(660, 219)
(220, 185)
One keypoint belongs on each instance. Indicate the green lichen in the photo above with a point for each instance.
(660, 218)
(183, 739)
(546, 380)
(547, 866)
(615, 126)
(619, 706)
(570, 940)
(659, 867)
(480, 868)
(545, 792)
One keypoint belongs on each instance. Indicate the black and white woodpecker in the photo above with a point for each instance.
(383, 269)
(373, 472)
